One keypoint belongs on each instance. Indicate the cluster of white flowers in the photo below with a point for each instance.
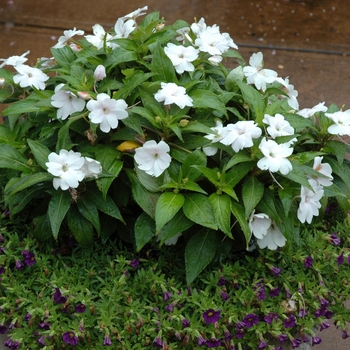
(69, 168)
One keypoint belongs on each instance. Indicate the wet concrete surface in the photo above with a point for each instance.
(309, 41)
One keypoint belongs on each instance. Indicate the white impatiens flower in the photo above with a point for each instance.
(256, 74)
(241, 134)
(66, 102)
(14, 60)
(181, 57)
(265, 231)
(100, 73)
(218, 134)
(309, 112)
(29, 76)
(291, 92)
(99, 37)
(277, 125)
(310, 201)
(341, 124)
(183, 34)
(66, 167)
(137, 13)
(172, 93)
(106, 111)
(91, 168)
(153, 157)
(67, 35)
(215, 60)
(275, 156)
(324, 169)
(123, 28)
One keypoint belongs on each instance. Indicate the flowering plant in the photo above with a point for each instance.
(142, 131)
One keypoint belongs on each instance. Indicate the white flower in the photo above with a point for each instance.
(310, 201)
(100, 73)
(137, 13)
(153, 158)
(171, 241)
(107, 112)
(273, 238)
(14, 60)
(291, 92)
(172, 93)
(99, 37)
(46, 62)
(325, 169)
(259, 224)
(199, 26)
(66, 102)
(256, 74)
(241, 134)
(309, 112)
(29, 76)
(67, 35)
(342, 123)
(91, 168)
(123, 29)
(181, 57)
(278, 126)
(275, 156)
(66, 166)
(183, 34)
(215, 60)
(219, 131)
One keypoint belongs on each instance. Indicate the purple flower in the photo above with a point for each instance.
(213, 343)
(2, 239)
(224, 296)
(296, 343)
(275, 292)
(41, 340)
(340, 258)
(2, 250)
(275, 270)
(19, 265)
(228, 336)
(222, 281)
(239, 333)
(344, 334)
(170, 307)
(80, 308)
(2, 270)
(107, 341)
(270, 317)
(324, 302)
(29, 257)
(45, 325)
(324, 325)
(260, 294)
(349, 259)
(211, 316)
(70, 338)
(27, 317)
(3, 329)
(250, 320)
(316, 341)
(135, 263)
(58, 297)
(13, 345)
(308, 262)
(302, 313)
(289, 322)
(334, 239)
(282, 337)
(201, 341)
(167, 295)
(185, 323)
(263, 344)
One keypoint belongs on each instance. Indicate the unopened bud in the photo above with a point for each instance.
(159, 27)
(158, 119)
(84, 95)
(2, 81)
(75, 47)
(183, 122)
(100, 73)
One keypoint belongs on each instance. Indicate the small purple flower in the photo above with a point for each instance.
(316, 341)
(344, 334)
(70, 338)
(302, 312)
(167, 295)
(340, 259)
(185, 323)
(107, 341)
(27, 317)
(211, 316)
(296, 343)
(19, 265)
(239, 333)
(13, 345)
(41, 340)
(80, 308)
(222, 281)
(290, 321)
(3, 329)
(324, 302)
(335, 239)
(170, 307)
(275, 271)
(2, 238)
(228, 336)
(260, 294)
(2, 250)
(328, 314)
(201, 341)
(58, 297)
(263, 344)
(275, 292)
(45, 325)
(224, 296)
(282, 337)
(29, 257)
(324, 325)
(2, 270)
(213, 343)
(135, 263)
(349, 259)
(270, 317)
(250, 320)
(308, 262)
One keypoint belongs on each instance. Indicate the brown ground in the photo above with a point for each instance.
(309, 41)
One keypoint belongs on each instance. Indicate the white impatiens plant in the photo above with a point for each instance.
(162, 134)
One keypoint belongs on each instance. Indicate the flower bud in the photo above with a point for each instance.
(100, 73)
(2, 81)
(183, 122)
(84, 95)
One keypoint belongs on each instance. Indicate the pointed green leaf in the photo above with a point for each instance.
(197, 158)
(89, 210)
(40, 152)
(197, 208)
(238, 212)
(58, 208)
(252, 192)
(192, 186)
(162, 65)
(237, 173)
(207, 99)
(168, 204)
(222, 210)
(145, 230)
(200, 250)
(10, 158)
(240, 157)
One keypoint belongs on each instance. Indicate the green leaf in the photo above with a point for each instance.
(42, 228)
(118, 56)
(237, 173)
(89, 210)
(162, 65)
(105, 182)
(64, 56)
(80, 227)
(192, 186)
(196, 158)
(200, 250)
(168, 204)
(58, 208)
(339, 149)
(207, 99)
(299, 174)
(198, 208)
(238, 211)
(10, 158)
(145, 230)
(145, 199)
(221, 204)
(210, 174)
(179, 223)
(252, 192)
(40, 152)
(240, 157)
